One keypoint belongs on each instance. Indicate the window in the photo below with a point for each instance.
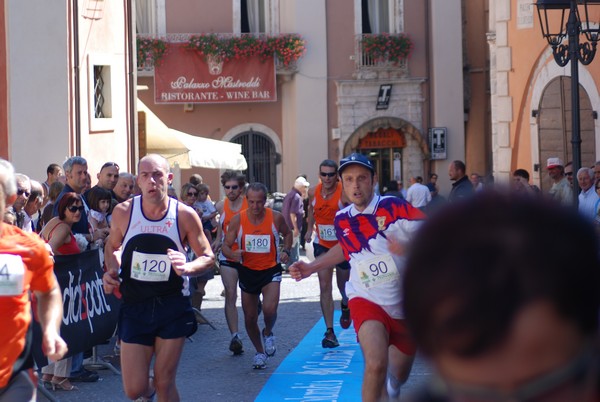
(258, 149)
(379, 16)
(255, 16)
(102, 104)
(150, 18)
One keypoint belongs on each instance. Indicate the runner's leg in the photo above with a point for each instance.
(326, 295)
(229, 276)
(374, 345)
(250, 308)
(135, 366)
(270, 294)
(168, 352)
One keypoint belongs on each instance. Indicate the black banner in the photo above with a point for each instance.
(89, 315)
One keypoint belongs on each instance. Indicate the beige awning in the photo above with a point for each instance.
(188, 150)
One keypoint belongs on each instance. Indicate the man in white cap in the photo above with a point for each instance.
(561, 191)
(293, 212)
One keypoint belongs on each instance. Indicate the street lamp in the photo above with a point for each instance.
(574, 51)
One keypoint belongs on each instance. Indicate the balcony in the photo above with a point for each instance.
(382, 55)
(286, 48)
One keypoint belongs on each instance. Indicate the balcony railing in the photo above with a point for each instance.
(287, 48)
(382, 52)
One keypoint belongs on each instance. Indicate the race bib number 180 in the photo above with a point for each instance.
(150, 267)
(377, 271)
(257, 243)
(12, 273)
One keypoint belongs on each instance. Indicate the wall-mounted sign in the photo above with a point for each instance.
(185, 76)
(437, 142)
(383, 138)
(383, 99)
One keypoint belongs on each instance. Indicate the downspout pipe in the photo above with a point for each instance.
(76, 78)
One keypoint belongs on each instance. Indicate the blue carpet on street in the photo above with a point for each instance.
(311, 373)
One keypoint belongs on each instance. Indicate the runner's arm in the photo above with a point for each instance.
(284, 230)
(191, 228)
(300, 269)
(230, 239)
(112, 247)
(50, 312)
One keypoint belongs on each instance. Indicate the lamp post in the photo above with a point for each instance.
(575, 51)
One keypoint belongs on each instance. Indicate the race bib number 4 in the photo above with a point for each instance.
(12, 274)
(377, 271)
(150, 267)
(327, 232)
(257, 243)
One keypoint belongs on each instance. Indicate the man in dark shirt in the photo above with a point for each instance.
(462, 187)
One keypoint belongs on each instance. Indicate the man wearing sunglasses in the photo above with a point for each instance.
(500, 317)
(324, 200)
(23, 192)
(233, 182)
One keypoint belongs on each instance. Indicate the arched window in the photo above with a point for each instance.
(259, 151)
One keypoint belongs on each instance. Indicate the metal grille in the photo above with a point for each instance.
(259, 152)
(98, 92)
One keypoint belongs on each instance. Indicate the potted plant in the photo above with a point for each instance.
(385, 47)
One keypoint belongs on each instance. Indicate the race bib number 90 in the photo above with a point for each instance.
(12, 274)
(150, 267)
(377, 271)
(257, 243)
(327, 232)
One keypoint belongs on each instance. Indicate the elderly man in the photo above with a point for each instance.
(560, 191)
(588, 195)
(33, 206)
(293, 212)
(26, 268)
(23, 192)
(145, 258)
(124, 187)
(372, 234)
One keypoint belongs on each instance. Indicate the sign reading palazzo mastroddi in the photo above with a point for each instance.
(185, 76)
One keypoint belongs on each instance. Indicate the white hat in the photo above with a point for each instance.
(554, 162)
(301, 181)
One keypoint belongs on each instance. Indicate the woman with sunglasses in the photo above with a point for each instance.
(57, 233)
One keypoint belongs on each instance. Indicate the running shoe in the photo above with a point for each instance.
(260, 361)
(269, 342)
(329, 339)
(236, 345)
(345, 320)
(393, 392)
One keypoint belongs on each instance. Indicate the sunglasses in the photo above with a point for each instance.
(568, 173)
(324, 174)
(192, 194)
(23, 192)
(74, 209)
(234, 187)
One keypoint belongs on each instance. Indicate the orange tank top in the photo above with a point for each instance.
(226, 217)
(259, 242)
(324, 211)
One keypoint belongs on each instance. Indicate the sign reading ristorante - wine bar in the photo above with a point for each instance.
(185, 76)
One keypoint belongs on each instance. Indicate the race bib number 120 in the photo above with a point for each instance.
(12, 273)
(377, 271)
(150, 267)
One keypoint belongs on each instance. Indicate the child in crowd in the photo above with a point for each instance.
(206, 209)
(99, 202)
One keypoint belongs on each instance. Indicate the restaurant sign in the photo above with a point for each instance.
(186, 76)
(383, 138)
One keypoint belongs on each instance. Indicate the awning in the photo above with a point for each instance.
(188, 150)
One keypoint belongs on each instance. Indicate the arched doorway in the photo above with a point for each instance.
(555, 126)
(260, 154)
(394, 145)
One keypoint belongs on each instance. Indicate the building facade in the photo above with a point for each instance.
(339, 97)
(67, 84)
(531, 94)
